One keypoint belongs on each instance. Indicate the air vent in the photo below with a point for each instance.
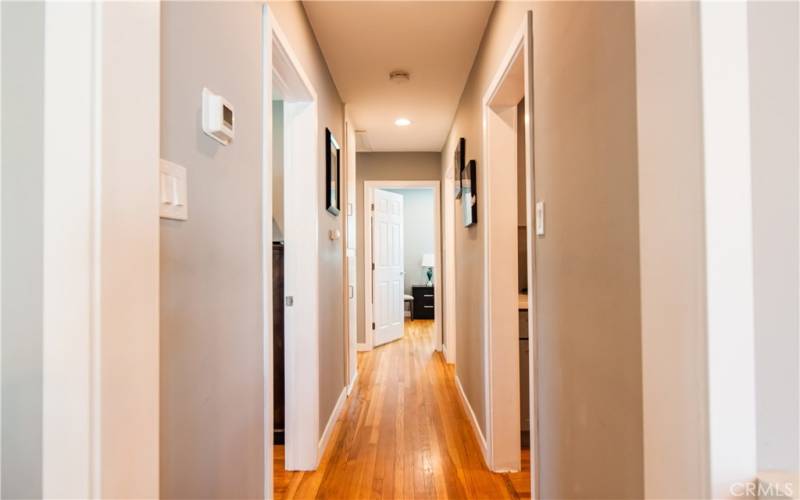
(362, 141)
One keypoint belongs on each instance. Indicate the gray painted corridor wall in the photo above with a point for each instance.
(212, 390)
(23, 245)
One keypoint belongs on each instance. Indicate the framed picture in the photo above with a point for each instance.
(332, 153)
(469, 197)
(458, 165)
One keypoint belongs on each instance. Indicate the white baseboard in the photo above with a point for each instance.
(476, 428)
(446, 355)
(326, 435)
(352, 383)
(363, 347)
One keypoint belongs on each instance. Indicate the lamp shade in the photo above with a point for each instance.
(428, 260)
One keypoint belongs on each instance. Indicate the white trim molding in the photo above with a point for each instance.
(350, 282)
(512, 81)
(282, 68)
(352, 384)
(101, 233)
(326, 434)
(729, 278)
(449, 262)
(473, 420)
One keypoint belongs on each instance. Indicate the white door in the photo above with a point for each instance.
(350, 148)
(387, 273)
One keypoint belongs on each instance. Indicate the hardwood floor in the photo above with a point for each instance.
(403, 434)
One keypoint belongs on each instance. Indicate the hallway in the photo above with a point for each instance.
(403, 434)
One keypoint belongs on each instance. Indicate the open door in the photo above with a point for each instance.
(387, 266)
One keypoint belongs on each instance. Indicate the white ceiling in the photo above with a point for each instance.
(436, 41)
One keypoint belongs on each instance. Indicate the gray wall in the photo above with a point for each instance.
(212, 379)
(385, 167)
(774, 83)
(23, 229)
(590, 392)
(277, 170)
(212, 404)
(418, 233)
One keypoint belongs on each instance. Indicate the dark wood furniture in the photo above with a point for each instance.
(278, 409)
(424, 305)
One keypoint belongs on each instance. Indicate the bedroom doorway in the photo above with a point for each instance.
(402, 259)
(509, 270)
(291, 278)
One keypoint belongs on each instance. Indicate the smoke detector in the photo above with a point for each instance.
(399, 76)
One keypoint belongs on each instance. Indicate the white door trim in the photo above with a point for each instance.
(449, 265)
(89, 143)
(351, 279)
(301, 218)
(369, 187)
(496, 368)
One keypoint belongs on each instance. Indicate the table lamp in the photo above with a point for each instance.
(428, 262)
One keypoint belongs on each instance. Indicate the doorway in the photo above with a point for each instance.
(290, 224)
(401, 274)
(510, 269)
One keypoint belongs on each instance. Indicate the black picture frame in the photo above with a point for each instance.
(469, 198)
(332, 171)
(458, 161)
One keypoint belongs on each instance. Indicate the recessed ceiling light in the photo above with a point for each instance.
(402, 122)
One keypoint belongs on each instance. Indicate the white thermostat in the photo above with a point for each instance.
(217, 117)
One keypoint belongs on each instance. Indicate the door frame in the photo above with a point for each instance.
(501, 438)
(369, 188)
(350, 252)
(301, 234)
(449, 263)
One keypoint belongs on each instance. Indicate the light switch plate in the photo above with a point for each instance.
(539, 218)
(174, 203)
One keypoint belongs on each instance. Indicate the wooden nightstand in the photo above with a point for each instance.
(424, 305)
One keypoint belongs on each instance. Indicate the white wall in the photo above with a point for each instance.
(418, 233)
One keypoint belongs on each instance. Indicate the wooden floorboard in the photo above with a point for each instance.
(402, 434)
